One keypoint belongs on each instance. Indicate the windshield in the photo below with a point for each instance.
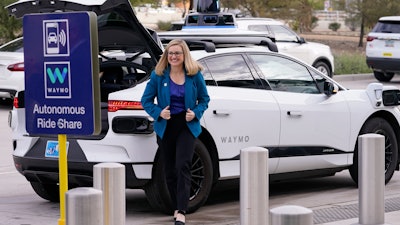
(387, 27)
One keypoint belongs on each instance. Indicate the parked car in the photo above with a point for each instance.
(383, 48)
(11, 68)
(265, 99)
(258, 98)
(289, 42)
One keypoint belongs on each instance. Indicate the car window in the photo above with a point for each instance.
(319, 80)
(259, 27)
(14, 46)
(229, 70)
(387, 27)
(282, 33)
(285, 75)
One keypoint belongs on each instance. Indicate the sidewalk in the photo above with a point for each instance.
(335, 214)
(391, 218)
(348, 213)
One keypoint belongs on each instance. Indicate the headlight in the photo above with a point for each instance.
(391, 97)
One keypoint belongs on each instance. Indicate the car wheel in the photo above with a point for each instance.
(382, 127)
(47, 191)
(202, 181)
(323, 68)
(381, 76)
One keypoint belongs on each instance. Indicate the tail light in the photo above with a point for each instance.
(370, 38)
(16, 67)
(114, 105)
(19, 100)
(15, 102)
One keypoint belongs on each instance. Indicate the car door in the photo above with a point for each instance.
(241, 112)
(315, 127)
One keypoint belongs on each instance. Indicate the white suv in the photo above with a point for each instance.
(315, 54)
(11, 68)
(383, 48)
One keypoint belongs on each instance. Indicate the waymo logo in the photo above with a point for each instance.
(57, 80)
(57, 74)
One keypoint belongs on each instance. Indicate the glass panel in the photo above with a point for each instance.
(284, 74)
(282, 33)
(260, 27)
(207, 75)
(387, 27)
(15, 46)
(231, 70)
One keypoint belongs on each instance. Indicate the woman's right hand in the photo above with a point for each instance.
(165, 113)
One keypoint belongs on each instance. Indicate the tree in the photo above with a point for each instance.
(367, 12)
(303, 11)
(142, 2)
(297, 11)
(10, 27)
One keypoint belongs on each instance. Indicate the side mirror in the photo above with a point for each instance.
(330, 88)
(302, 40)
(391, 97)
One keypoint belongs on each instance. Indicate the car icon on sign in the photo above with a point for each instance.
(52, 38)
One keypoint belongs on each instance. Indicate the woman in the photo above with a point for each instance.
(182, 98)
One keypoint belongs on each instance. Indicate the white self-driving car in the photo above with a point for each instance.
(11, 68)
(289, 42)
(383, 48)
(308, 122)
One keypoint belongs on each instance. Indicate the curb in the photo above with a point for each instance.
(353, 77)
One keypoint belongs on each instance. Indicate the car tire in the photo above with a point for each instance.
(202, 181)
(382, 127)
(48, 191)
(381, 76)
(323, 68)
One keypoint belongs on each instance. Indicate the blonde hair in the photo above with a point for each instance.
(191, 65)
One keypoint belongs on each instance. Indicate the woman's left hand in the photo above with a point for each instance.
(189, 115)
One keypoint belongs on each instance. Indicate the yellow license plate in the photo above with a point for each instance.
(387, 54)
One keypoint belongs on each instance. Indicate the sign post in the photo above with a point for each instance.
(63, 175)
(62, 90)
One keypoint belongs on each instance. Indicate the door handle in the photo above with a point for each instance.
(294, 113)
(221, 112)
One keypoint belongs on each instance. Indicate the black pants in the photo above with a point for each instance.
(177, 147)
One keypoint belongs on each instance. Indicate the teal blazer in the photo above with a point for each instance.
(196, 98)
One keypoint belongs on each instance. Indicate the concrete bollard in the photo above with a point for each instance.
(371, 179)
(291, 215)
(84, 206)
(110, 178)
(254, 187)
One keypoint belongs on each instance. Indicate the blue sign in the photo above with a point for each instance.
(62, 94)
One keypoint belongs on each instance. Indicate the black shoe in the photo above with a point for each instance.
(179, 223)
